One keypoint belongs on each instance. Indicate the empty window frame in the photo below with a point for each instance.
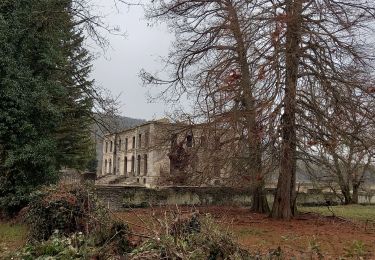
(133, 163)
(138, 165)
(189, 140)
(145, 166)
(125, 165)
(118, 165)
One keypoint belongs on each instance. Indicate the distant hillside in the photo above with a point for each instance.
(109, 124)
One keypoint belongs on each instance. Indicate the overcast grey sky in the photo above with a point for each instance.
(117, 69)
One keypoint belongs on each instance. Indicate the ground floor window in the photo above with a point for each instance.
(145, 166)
(126, 165)
(133, 162)
(139, 165)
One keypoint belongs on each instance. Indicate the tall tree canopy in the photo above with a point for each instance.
(45, 93)
(295, 64)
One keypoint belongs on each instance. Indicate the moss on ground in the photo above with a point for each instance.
(12, 237)
(352, 212)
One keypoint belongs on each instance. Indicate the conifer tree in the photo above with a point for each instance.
(46, 97)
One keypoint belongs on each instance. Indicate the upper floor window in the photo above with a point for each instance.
(147, 137)
(106, 147)
(189, 140)
(119, 145)
(133, 145)
(111, 147)
(139, 140)
(126, 144)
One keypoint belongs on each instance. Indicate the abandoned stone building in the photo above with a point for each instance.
(132, 156)
(158, 153)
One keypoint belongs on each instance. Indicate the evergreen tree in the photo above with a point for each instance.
(45, 106)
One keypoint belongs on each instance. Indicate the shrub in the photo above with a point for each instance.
(69, 209)
(75, 246)
(192, 237)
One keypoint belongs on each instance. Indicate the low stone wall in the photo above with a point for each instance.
(118, 198)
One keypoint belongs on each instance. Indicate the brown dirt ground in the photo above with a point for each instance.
(333, 237)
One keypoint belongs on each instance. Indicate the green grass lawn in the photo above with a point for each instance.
(12, 236)
(353, 212)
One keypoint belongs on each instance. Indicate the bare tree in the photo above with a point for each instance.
(258, 68)
(339, 140)
(212, 62)
(315, 43)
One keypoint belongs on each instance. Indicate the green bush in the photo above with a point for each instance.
(75, 246)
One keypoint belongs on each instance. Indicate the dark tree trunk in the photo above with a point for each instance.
(283, 206)
(259, 200)
(355, 195)
(347, 196)
(255, 173)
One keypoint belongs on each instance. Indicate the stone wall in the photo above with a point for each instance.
(119, 197)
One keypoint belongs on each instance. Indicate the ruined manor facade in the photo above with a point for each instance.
(160, 153)
(134, 156)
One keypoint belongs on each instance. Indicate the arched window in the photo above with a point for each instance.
(105, 167)
(133, 162)
(126, 144)
(119, 145)
(111, 147)
(110, 166)
(118, 165)
(145, 164)
(126, 165)
(189, 140)
(139, 165)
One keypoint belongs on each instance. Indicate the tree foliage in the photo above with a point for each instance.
(46, 97)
